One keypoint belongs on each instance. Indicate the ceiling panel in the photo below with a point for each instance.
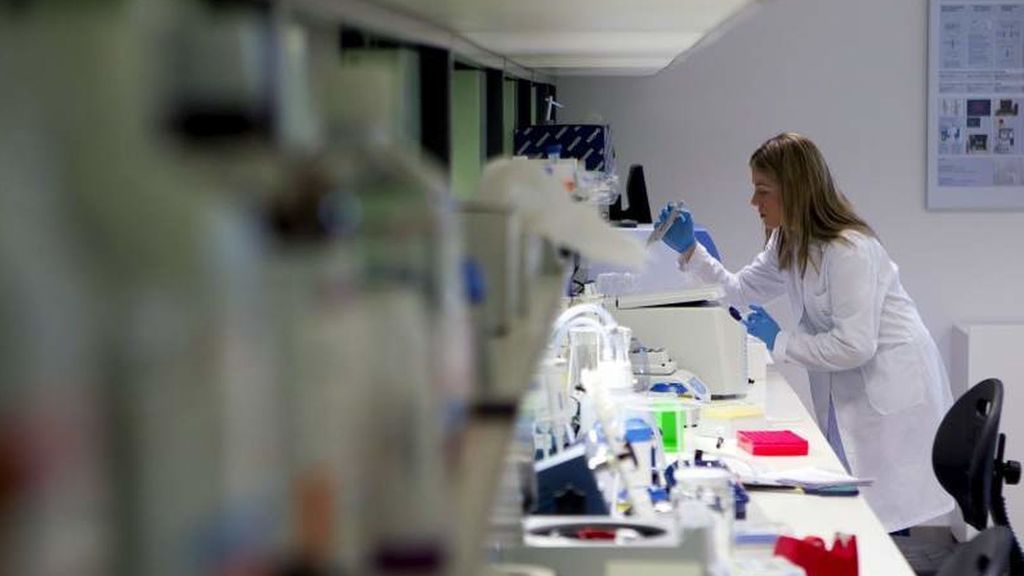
(536, 15)
(554, 37)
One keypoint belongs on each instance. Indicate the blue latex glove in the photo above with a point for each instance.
(680, 235)
(762, 326)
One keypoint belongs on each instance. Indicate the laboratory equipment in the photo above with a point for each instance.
(495, 241)
(735, 314)
(604, 385)
(712, 487)
(614, 362)
(673, 415)
(614, 283)
(581, 154)
(771, 442)
(674, 419)
(590, 143)
(662, 227)
(544, 206)
(651, 361)
(697, 332)
(679, 382)
(587, 545)
(566, 485)
(549, 114)
(552, 408)
(647, 450)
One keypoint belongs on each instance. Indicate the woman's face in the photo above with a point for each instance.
(767, 198)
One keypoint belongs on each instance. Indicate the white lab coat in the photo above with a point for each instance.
(863, 343)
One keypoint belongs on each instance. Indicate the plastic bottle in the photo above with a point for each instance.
(405, 359)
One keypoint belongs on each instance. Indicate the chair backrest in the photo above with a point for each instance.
(987, 554)
(963, 454)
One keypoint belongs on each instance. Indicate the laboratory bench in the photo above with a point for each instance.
(787, 511)
(803, 514)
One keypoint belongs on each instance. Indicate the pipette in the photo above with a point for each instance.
(662, 228)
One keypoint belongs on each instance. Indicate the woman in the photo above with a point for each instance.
(877, 380)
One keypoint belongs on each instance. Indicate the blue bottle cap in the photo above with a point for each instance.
(638, 431)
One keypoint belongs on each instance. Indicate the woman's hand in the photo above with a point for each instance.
(762, 326)
(680, 235)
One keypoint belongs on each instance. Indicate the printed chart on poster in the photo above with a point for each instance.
(976, 104)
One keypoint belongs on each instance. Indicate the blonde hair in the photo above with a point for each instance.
(813, 210)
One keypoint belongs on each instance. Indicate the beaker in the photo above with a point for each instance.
(584, 349)
(712, 487)
(671, 414)
(616, 369)
(584, 345)
(552, 411)
(616, 283)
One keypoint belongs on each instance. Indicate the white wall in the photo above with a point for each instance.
(851, 75)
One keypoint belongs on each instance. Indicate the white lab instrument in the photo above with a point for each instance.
(651, 361)
(495, 241)
(548, 211)
(612, 378)
(680, 382)
(698, 333)
(587, 545)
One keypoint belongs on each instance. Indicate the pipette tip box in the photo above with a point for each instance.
(771, 442)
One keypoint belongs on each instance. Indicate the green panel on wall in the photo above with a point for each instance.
(510, 114)
(534, 119)
(404, 99)
(468, 97)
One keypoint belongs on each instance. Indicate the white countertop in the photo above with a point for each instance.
(811, 515)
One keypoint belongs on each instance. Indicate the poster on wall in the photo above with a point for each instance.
(976, 104)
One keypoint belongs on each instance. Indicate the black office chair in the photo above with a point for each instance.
(987, 554)
(967, 457)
